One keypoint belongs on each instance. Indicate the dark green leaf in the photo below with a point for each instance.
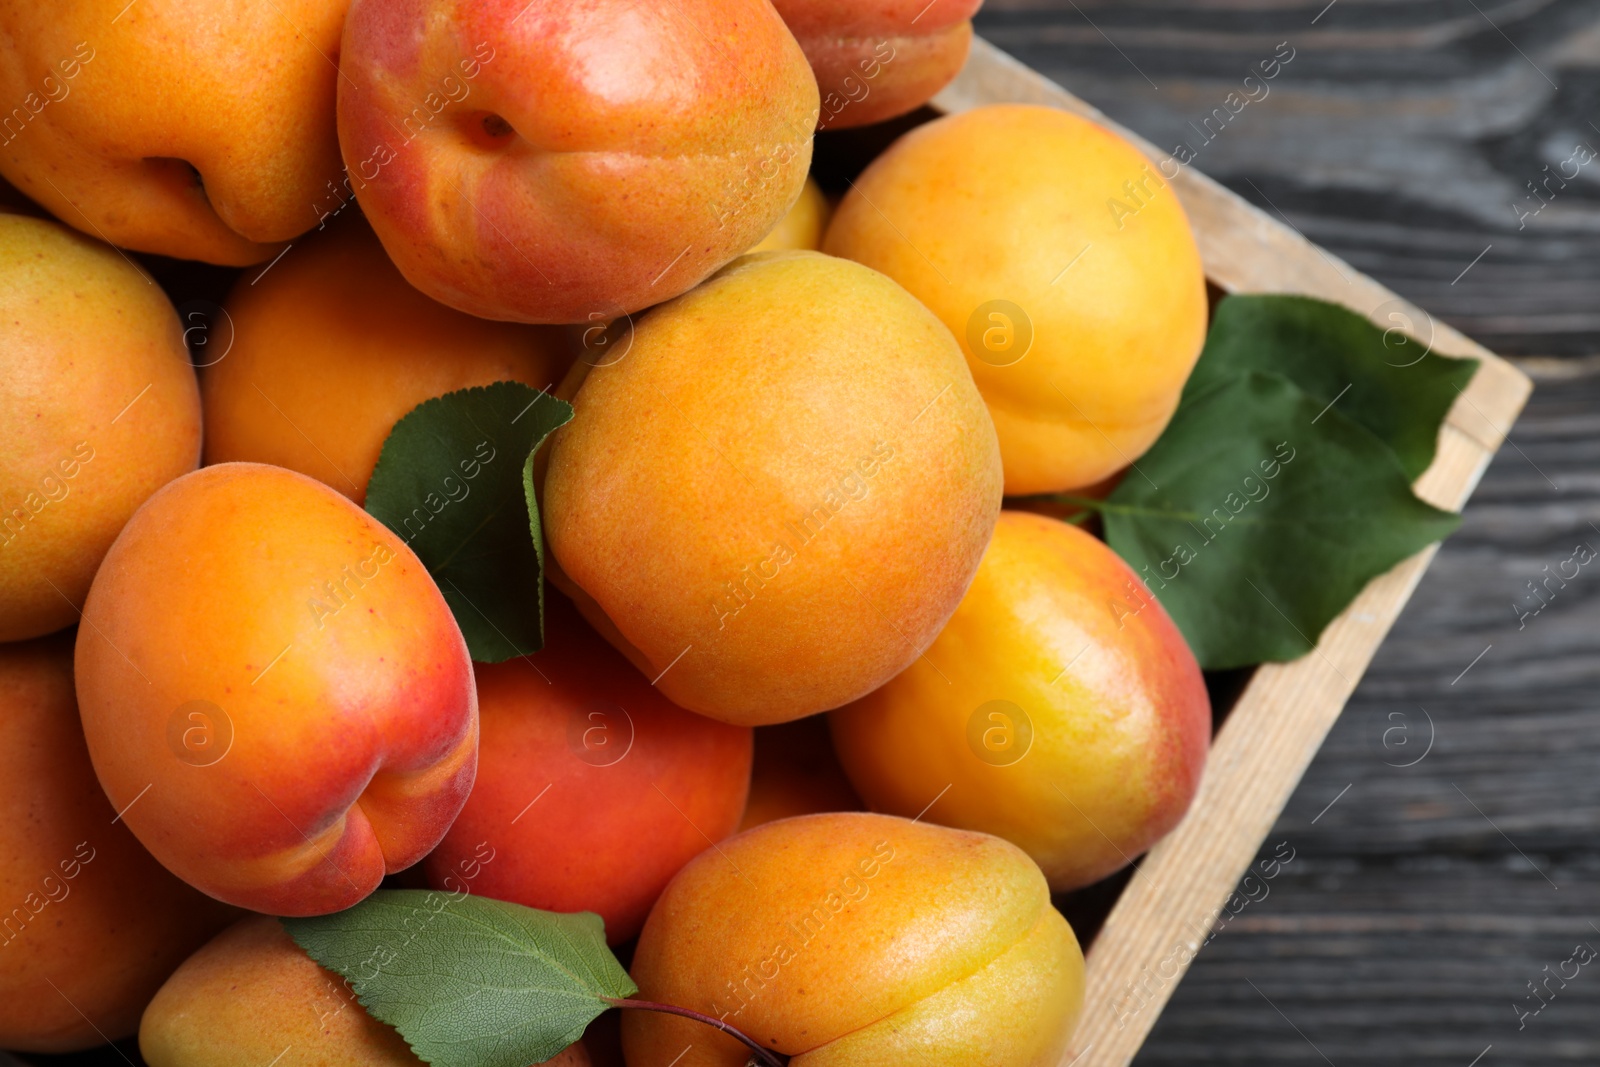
(452, 481)
(470, 982)
(1383, 379)
(1258, 516)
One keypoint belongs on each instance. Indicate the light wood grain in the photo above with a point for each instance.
(1166, 912)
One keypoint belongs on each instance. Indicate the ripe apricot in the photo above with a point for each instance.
(332, 347)
(1061, 707)
(875, 59)
(803, 226)
(274, 691)
(861, 940)
(100, 408)
(552, 162)
(775, 499)
(91, 924)
(1061, 259)
(252, 996)
(164, 128)
(795, 772)
(593, 789)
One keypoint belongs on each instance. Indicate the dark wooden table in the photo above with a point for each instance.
(1424, 899)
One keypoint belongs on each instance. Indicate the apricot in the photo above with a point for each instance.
(556, 163)
(795, 772)
(275, 693)
(861, 940)
(332, 347)
(875, 59)
(803, 226)
(100, 408)
(1060, 706)
(593, 789)
(774, 501)
(1060, 258)
(252, 996)
(162, 127)
(92, 924)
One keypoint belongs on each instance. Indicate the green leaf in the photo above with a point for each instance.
(1386, 381)
(454, 481)
(1258, 516)
(469, 982)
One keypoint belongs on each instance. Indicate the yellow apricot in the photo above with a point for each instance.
(861, 940)
(100, 410)
(1060, 708)
(803, 226)
(1061, 259)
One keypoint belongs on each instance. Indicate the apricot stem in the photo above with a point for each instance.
(767, 1056)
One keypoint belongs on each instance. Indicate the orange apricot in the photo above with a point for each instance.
(162, 127)
(796, 773)
(332, 347)
(274, 691)
(875, 59)
(91, 924)
(253, 996)
(775, 499)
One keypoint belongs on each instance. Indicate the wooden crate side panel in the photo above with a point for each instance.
(1165, 914)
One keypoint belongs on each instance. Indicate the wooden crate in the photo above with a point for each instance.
(1165, 913)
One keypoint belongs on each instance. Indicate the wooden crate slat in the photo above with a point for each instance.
(1279, 722)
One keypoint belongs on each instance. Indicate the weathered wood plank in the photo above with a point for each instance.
(1402, 136)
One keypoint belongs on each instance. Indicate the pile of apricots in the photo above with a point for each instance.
(829, 705)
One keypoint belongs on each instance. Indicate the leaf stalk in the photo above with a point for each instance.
(765, 1055)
